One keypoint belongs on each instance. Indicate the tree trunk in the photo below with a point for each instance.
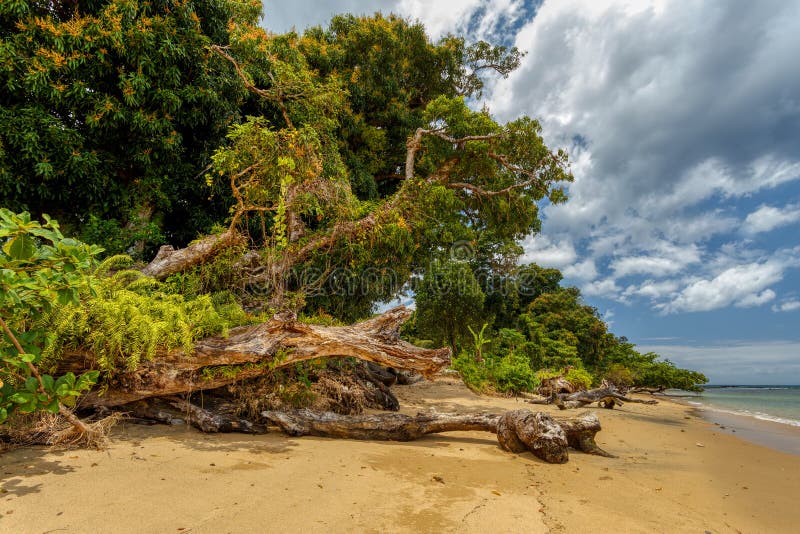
(517, 431)
(169, 261)
(252, 351)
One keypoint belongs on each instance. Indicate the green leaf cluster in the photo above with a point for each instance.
(39, 271)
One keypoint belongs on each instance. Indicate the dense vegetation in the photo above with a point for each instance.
(533, 328)
(321, 173)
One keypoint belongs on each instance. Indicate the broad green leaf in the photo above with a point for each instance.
(21, 247)
(21, 397)
(31, 384)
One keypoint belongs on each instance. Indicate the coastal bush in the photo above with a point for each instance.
(39, 269)
(508, 374)
(513, 374)
(579, 378)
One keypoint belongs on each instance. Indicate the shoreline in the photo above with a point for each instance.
(673, 472)
(772, 434)
(776, 435)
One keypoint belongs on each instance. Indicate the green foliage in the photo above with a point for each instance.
(474, 374)
(116, 239)
(579, 378)
(542, 328)
(479, 340)
(619, 375)
(509, 374)
(513, 374)
(39, 269)
(111, 108)
(125, 322)
(391, 71)
(449, 299)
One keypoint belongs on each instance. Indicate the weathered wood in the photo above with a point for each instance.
(521, 430)
(517, 431)
(169, 261)
(605, 397)
(177, 411)
(252, 351)
(555, 385)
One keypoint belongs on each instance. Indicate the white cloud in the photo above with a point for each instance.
(585, 270)
(670, 110)
(767, 218)
(485, 19)
(607, 288)
(439, 17)
(645, 265)
(787, 306)
(753, 300)
(743, 285)
(652, 289)
(540, 250)
(737, 363)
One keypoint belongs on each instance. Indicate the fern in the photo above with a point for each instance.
(130, 318)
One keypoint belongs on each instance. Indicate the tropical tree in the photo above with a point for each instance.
(449, 304)
(110, 109)
(391, 72)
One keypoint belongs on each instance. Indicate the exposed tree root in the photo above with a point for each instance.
(56, 431)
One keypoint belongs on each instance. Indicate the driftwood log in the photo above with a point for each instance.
(517, 431)
(252, 351)
(605, 397)
(176, 411)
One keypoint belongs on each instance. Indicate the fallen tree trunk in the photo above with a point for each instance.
(252, 351)
(517, 431)
(605, 397)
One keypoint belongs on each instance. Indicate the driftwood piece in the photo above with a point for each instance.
(554, 386)
(252, 351)
(605, 397)
(517, 431)
(521, 430)
(176, 411)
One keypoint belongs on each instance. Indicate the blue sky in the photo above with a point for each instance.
(682, 118)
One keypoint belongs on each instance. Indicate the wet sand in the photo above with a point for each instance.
(675, 472)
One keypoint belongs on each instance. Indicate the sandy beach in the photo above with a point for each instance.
(675, 472)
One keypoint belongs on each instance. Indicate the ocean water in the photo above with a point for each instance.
(779, 404)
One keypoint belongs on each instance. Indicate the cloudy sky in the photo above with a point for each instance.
(683, 122)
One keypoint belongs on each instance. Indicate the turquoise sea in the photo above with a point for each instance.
(779, 404)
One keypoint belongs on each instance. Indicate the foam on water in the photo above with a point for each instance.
(777, 404)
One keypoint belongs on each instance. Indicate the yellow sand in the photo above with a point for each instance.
(161, 479)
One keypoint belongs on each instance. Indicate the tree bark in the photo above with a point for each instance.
(176, 411)
(169, 261)
(517, 431)
(252, 351)
(605, 397)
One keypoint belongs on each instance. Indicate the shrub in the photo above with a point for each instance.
(579, 378)
(513, 374)
(474, 374)
(619, 375)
